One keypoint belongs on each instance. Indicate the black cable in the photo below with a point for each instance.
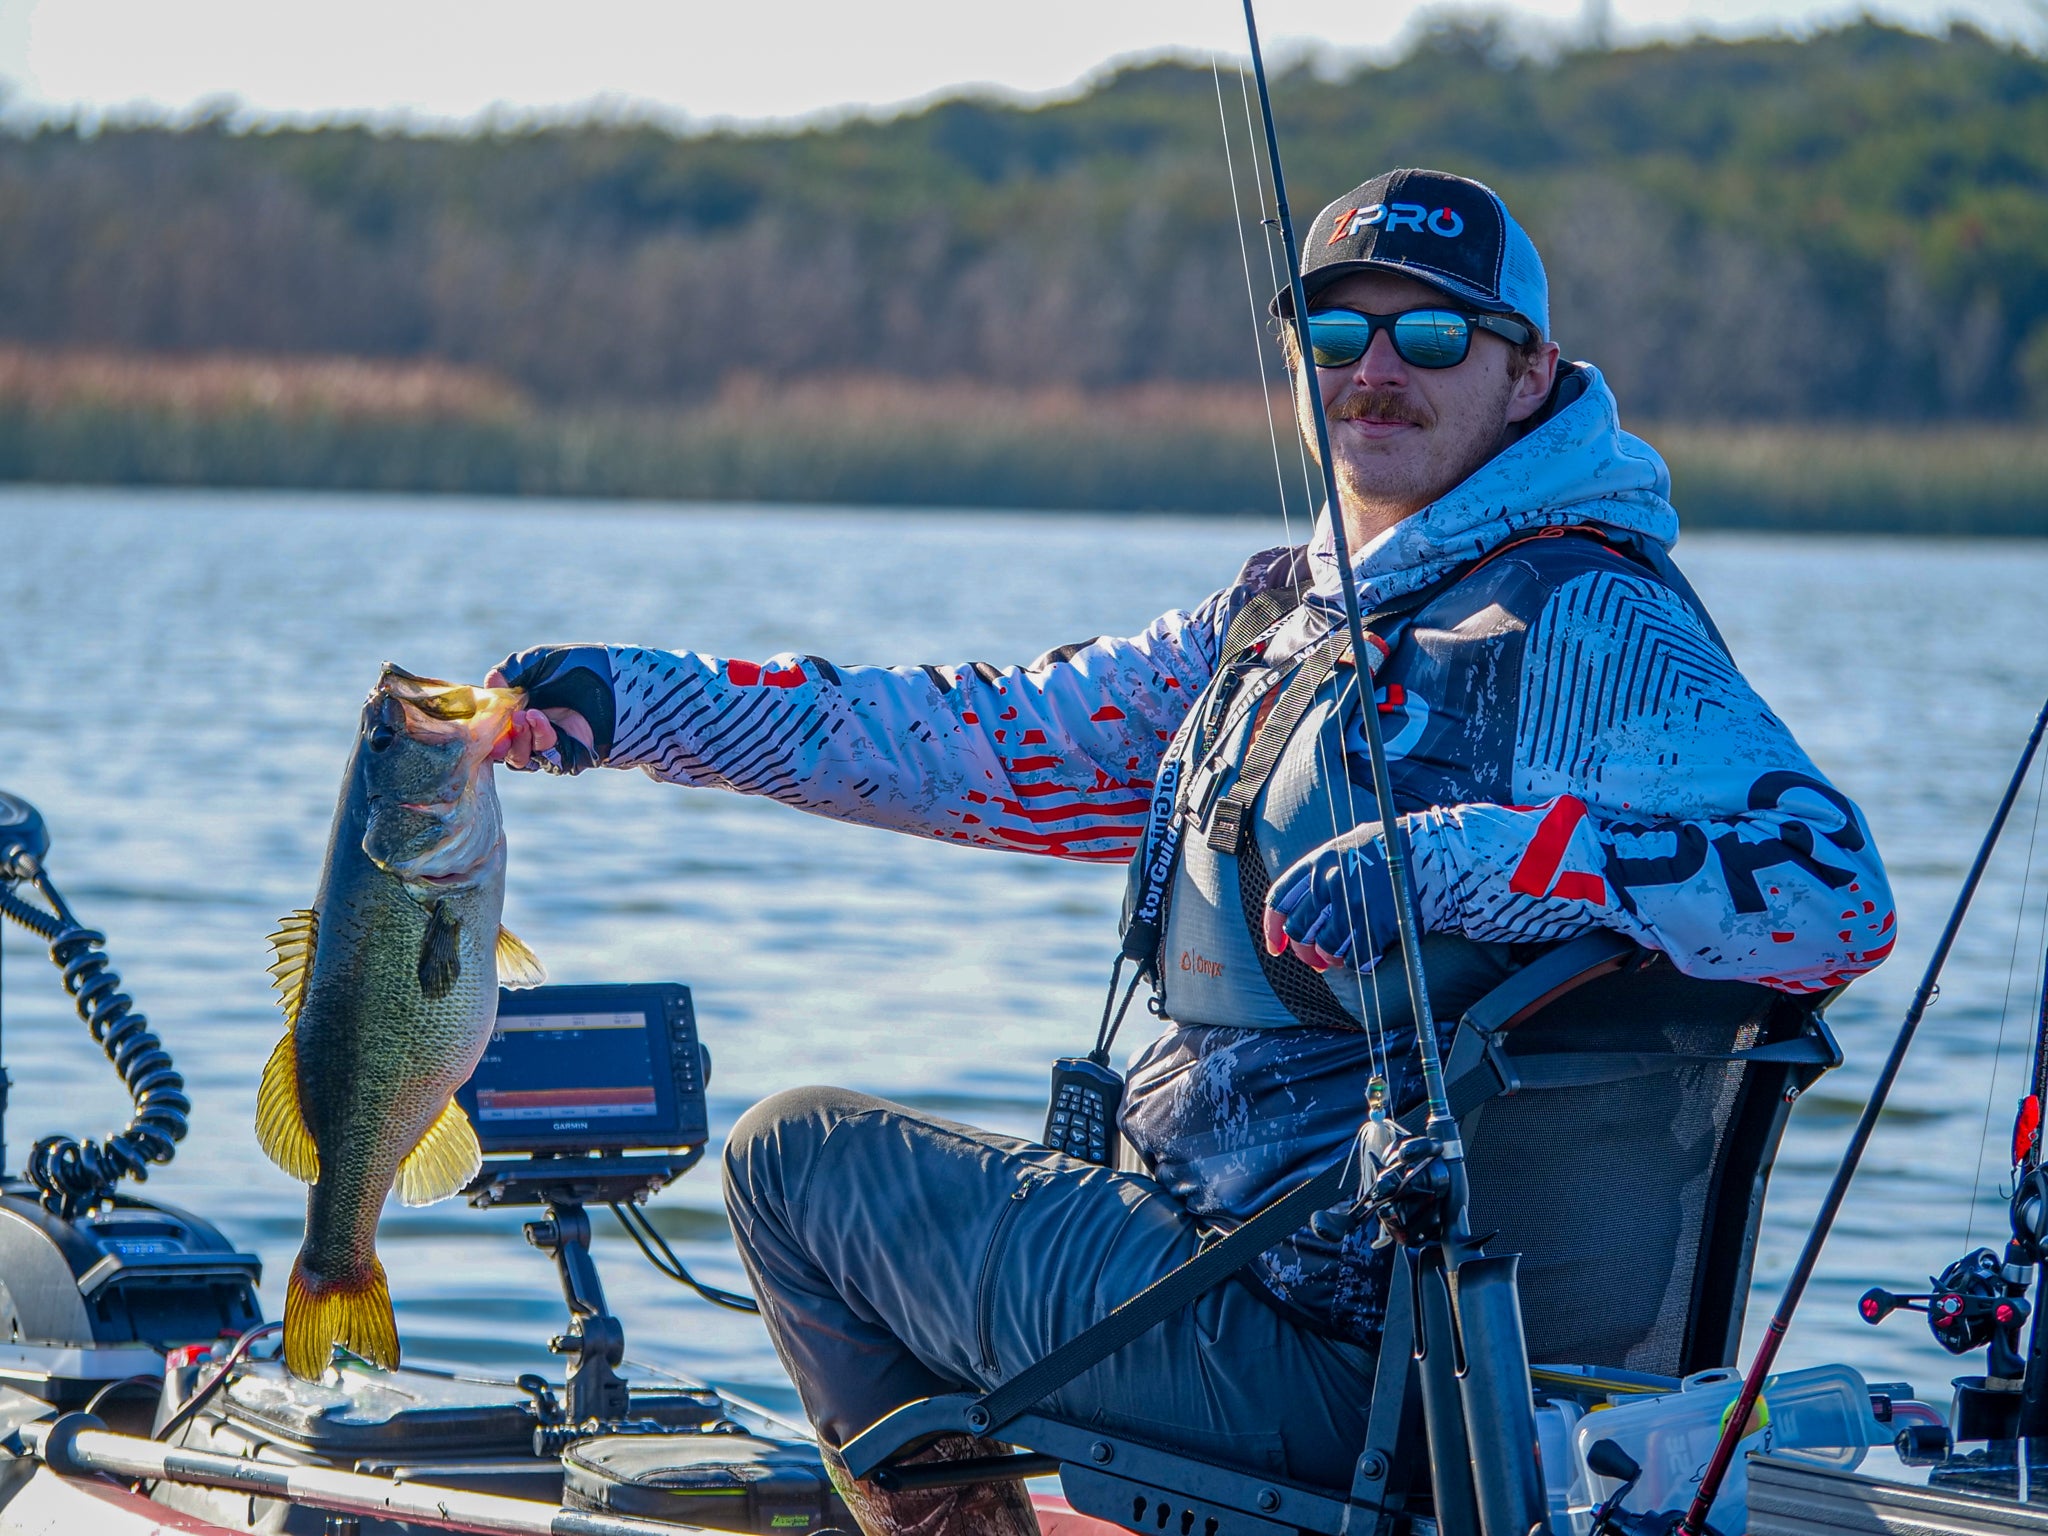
(73, 1176)
(219, 1379)
(1105, 1034)
(92, 1403)
(635, 1221)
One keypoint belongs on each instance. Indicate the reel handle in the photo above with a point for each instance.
(1877, 1304)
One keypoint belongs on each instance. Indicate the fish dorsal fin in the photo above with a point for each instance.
(280, 1123)
(518, 966)
(446, 1159)
(293, 944)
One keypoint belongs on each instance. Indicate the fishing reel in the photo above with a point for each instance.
(1976, 1303)
(1410, 1196)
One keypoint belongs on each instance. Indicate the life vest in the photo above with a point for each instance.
(1258, 776)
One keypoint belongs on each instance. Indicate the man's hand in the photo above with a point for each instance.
(568, 724)
(1336, 905)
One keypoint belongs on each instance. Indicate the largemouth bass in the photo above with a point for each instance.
(389, 984)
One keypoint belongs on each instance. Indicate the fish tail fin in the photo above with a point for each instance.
(353, 1311)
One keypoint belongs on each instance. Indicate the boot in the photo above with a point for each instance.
(979, 1509)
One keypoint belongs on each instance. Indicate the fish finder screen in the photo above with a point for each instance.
(593, 1068)
(614, 1077)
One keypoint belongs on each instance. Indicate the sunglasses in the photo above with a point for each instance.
(1423, 338)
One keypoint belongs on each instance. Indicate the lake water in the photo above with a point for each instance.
(179, 681)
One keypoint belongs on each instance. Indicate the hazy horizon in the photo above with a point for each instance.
(452, 67)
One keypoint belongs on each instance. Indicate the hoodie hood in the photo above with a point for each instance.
(1576, 467)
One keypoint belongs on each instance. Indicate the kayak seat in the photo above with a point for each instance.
(1620, 1121)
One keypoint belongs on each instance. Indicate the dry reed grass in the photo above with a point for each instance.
(347, 423)
(226, 383)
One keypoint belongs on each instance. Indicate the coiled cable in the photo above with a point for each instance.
(75, 1176)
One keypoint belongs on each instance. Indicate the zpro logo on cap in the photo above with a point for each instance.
(1448, 231)
(1447, 222)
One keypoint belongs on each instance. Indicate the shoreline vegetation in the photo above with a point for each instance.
(350, 424)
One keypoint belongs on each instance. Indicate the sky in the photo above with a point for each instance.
(432, 61)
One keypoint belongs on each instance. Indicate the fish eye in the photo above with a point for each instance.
(382, 734)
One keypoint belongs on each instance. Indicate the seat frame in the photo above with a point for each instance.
(1154, 1488)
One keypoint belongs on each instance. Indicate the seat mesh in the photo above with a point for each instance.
(1606, 1190)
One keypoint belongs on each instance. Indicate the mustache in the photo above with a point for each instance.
(1381, 405)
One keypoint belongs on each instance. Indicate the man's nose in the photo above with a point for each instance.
(1381, 365)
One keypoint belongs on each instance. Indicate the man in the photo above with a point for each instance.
(1571, 747)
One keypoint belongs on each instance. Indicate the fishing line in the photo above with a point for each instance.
(1274, 277)
(2012, 965)
(1370, 1017)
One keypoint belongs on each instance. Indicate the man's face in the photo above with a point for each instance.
(1402, 436)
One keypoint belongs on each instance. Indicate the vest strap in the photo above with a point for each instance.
(1270, 738)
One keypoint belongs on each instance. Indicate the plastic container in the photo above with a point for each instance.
(1564, 1470)
(1820, 1415)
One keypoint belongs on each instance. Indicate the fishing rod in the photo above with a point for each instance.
(1470, 1354)
(1441, 1126)
(1736, 1423)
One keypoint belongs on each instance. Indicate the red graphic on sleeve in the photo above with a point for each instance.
(751, 674)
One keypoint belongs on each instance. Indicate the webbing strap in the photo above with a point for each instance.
(1161, 1299)
(1226, 823)
(1157, 857)
(1547, 1070)
(1303, 993)
(1586, 1069)
(1256, 617)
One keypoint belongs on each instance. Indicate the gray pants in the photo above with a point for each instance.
(898, 1256)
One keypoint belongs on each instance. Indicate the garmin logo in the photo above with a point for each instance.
(569, 1125)
(1447, 222)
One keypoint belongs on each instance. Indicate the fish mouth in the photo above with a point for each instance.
(440, 700)
(434, 711)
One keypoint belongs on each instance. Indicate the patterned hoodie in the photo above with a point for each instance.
(1571, 747)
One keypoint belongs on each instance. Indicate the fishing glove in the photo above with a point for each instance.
(577, 677)
(1339, 899)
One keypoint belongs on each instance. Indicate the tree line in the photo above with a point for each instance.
(1850, 225)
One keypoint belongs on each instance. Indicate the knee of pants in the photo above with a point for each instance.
(773, 1145)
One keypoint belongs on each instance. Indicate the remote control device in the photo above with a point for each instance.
(1085, 1099)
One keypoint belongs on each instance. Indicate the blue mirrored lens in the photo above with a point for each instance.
(1337, 337)
(1432, 338)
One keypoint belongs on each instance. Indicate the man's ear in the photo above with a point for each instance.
(1533, 388)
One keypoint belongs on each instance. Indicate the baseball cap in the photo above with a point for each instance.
(1448, 231)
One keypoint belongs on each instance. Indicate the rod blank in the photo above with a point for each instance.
(76, 1446)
